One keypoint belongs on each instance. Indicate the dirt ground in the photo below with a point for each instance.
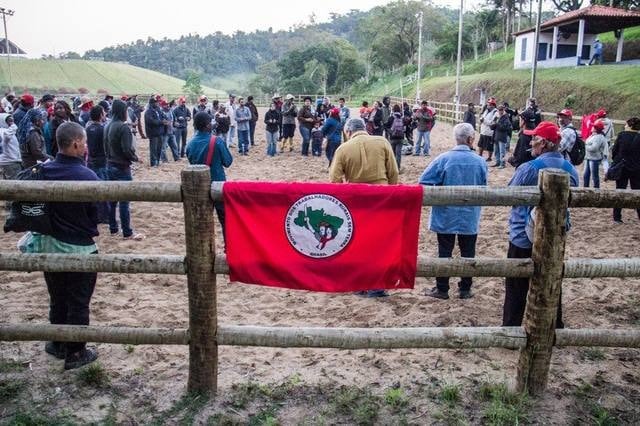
(146, 384)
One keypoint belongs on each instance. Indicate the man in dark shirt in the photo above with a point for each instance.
(181, 116)
(154, 125)
(254, 119)
(120, 153)
(74, 227)
(97, 160)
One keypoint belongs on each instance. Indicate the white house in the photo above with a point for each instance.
(566, 40)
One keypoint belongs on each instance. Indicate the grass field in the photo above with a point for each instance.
(68, 76)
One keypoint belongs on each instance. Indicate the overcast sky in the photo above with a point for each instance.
(51, 27)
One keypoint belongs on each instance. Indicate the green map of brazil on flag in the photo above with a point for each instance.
(321, 236)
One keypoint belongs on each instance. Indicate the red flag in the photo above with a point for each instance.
(321, 236)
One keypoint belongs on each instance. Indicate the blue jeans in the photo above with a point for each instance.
(592, 167)
(252, 132)
(331, 149)
(500, 152)
(272, 140)
(102, 172)
(181, 139)
(306, 137)
(170, 140)
(230, 133)
(125, 217)
(427, 142)
(243, 141)
(155, 150)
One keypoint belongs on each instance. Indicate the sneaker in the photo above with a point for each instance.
(56, 349)
(416, 154)
(377, 293)
(501, 166)
(619, 221)
(438, 294)
(135, 237)
(78, 359)
(466, 294)
(495, 165)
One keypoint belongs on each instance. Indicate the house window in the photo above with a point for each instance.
(523, 52)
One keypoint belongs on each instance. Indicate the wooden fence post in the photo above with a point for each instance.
(201, 279)
(546, 283)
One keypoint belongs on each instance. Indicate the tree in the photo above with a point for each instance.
(567, 5)
(620, 4)
(192, 85)
(391, 31)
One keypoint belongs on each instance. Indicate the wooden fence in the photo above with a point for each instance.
(535, 339)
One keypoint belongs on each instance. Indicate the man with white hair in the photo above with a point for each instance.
(460, 166)
(364, 158)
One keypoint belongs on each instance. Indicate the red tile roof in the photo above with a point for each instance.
(625, 18)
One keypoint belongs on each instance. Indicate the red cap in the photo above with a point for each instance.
(601, 113)
(566, 112)
(546, 130)
(124, 98)
(27, 99)
(334, 112)
(598, 125)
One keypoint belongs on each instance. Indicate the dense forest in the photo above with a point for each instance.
(330, 56)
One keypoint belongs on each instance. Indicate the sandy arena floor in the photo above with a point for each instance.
(149, 380)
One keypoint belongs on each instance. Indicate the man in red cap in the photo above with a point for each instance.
(545, 143)
(568, 133)
(608, 133)
(26, 103)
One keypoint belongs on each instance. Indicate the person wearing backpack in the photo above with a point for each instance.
(73, 228)
(545, 145)
(571, 144)
(597, 149)
(396, 132)
(211, 150)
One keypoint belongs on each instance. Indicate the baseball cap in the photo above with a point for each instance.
(202, 98)
(566, 112)
(598, 125)
(276, 96)
(85, 100)
(289, 96)
(601, 113)
(27, 99)
(546, 130)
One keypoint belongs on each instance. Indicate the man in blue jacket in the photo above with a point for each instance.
(74, 227)
(460, 166)
(544, 149)
(198, 150)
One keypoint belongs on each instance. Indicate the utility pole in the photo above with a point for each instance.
(4, 13)
(459, 64)
(419, 16)
(536, 40)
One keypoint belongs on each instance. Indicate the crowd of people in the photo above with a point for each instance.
(87, 141)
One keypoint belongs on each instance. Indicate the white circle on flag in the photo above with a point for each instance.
(318, 225)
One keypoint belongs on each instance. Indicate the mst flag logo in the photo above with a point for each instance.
(319, 225)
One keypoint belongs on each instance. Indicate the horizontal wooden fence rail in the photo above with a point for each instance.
(115, 263)
(322, 337)
(83, 191)
(432, 195)
(426, 267)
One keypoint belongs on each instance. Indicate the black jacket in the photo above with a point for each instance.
(181, 112)
(627, 147)
(153, 126)
(272, 120)
(95, 145)
(118, 139)
(73, 223)
(470, 117)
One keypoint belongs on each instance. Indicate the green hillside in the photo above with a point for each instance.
(585, 89)
(70, 76)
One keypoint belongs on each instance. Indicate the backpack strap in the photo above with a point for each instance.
(212, 146)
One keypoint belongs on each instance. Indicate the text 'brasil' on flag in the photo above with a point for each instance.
(322, 237)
